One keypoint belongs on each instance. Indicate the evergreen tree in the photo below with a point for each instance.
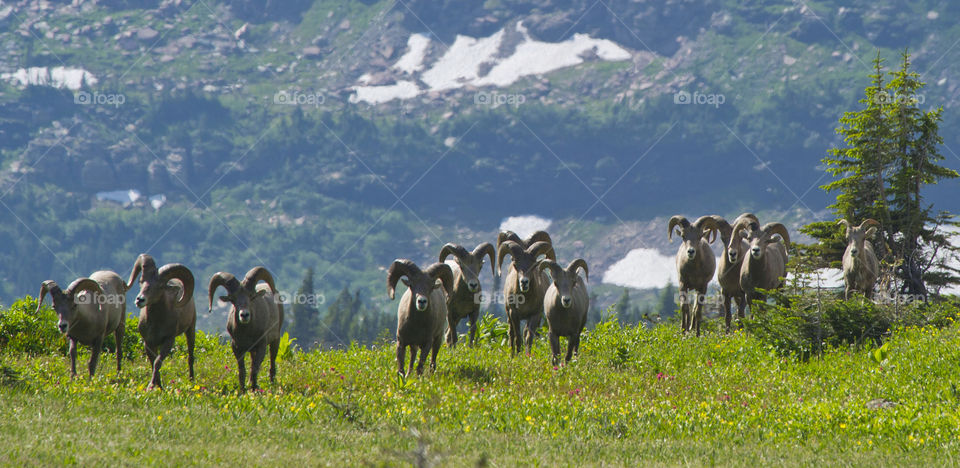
(668, 301)
(305, 313)
(890, 154)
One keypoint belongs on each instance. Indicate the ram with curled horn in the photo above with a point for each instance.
(523, 289)
(465, 299)
(565, 305)
(88, 311)
(422, 313)
(255, 319)
(765, 264)
(695, 265)
(728, 270)
(167, 310)
(860, 264)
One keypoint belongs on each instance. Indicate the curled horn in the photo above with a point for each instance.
(674, 221)
(398, 269)
(47, 286)
(777, 228)
(846, 225)
(710, 224)
(181, 273)
(145, 264)
(508, 247)
(542, 248)
(83, 284)
(723, 226)
(504, 236)
(487, 249)
(869, 222)
(579, 263)
(452, 249)
(444, 273)
(539, 236)
(743, 221)
(256, 275)
(555, 269)
(221, 278)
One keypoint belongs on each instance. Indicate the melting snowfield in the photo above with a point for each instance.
(58, 77)
(473, 61)
(525, 225)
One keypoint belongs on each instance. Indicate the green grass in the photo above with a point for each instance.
(635, 397)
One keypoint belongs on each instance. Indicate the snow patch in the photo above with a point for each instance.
(412, 61)
(123, 197)
(381, 94)
(58, 77)
(461, 63)
(642, 269)
(524, 226)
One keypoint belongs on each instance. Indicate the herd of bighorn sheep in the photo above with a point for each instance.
(439, 297)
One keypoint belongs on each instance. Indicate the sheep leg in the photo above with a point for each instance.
(256, 359)
(473, 327)
(698, 311)
(423, 359)
(684, 317)
(451, 330)
(555, 347)
(118, 337)
(741, 307)
(401, 354)
(533, 323)
(573, 346)
(241, 367)
(433, 353)
(73, 357)
(413, 358)
(274, 349)
(514, 332)
(95, 349)
(191, 335)
(727, 315)
(163, 352)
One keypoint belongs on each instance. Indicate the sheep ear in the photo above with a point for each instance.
(225, 298)
(437, 284)
(258, 294)
(405, 282)
(870, 232)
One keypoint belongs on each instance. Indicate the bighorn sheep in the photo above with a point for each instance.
(464, 301)
(422, 311)
(255, 319)
(728, 271)
(89, 310)
(523, 289)
(765, 267)
(695, 264)
(565, 305)
(163, 316)
(860, 264)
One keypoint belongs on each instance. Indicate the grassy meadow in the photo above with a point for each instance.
(635, 397)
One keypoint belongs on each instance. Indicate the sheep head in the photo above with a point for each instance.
(524, 260)
(470, 262)
(65, 302)
(759, 237)
(856, 235)
(240, 294)
(153, 281)
(420, 282)
(691, 234)
(732, 244)
(564, 279)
